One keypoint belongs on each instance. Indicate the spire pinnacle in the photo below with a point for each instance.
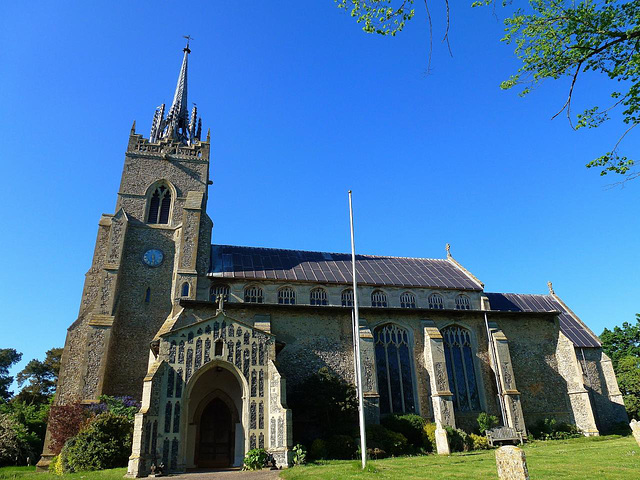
(177, 125)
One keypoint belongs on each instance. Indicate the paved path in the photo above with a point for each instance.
(235, 474)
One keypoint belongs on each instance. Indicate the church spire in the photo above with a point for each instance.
(177, 125)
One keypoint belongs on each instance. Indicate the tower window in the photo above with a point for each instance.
(408, 300)
(185, 289)
(286, 296)
(462, 302)
(378, 298)
(160, 205)
(394, 367)
(216, 290)
(460, 368)
(347, 297)
(318, 296)
(147, 295)
(436, 301)
(253, 295)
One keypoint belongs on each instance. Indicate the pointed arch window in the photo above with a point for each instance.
(463, 302)
(318, 296)
(347, 297)
(253, 294)
(436, 301)
(460, 368)
(378, 298)
(159, 205)
(286, 296)
(185, 289)
(216, 290)
(394, 367)
(408, 300)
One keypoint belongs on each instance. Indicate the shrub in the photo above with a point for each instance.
(255, 459)
(299, 455)
(103, 443)
(392, 443)
(341, 447)
(458, 439)
(14, 447)
(429, 431)
(550, 429)
(409, 425)
(65, 421)
(486, 422)
(123, 406)
(55, 466)
(479, 442)
(318, 449)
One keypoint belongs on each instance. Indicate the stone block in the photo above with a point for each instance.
(442, 443)
(635, 429)
(511, 463)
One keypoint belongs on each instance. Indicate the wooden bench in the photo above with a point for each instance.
(504, 435)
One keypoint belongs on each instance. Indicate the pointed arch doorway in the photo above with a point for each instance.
(216, 442)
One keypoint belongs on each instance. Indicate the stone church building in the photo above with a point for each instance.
(208, 337)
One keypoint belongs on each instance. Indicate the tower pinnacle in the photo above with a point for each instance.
(177, 125)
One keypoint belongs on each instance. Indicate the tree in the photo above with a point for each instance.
(555, 39)
(41, 377)
(623, 346)
(622, 342)
(8, 357)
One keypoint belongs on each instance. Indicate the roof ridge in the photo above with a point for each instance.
(330, 253)
(513, 293)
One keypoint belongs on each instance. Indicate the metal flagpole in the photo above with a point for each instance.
(356, 344)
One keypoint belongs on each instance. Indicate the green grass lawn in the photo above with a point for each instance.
(29, 473)
(598, 458)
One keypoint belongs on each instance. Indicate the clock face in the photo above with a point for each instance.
(153, 257)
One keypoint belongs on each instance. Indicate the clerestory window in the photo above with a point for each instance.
(462, 302)
(394, 367)
(216, 290)
(408, 300)
(347, 297)
(159, 205)
(460, 368)
(378, 298)
(436, 301)
(253, 294)
(286, 296)
(318, 296)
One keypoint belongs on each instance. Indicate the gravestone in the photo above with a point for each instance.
(511, 463)
(442, 443)
(635, 429)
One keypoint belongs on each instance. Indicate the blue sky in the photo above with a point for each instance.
(303, 106)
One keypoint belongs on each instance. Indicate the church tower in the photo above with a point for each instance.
(148, 256)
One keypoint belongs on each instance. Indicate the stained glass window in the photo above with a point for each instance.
(460, 368)
(394, 366)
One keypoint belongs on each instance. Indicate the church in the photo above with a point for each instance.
(209, 337)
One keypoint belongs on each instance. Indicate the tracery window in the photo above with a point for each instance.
(460, 368)
(436, 301)
(408, 300)
(253, 294)
(160, 205)
(378, 298)
(394, 366)
(216, 290)
(286, 296)
(347, 297)
(462, 302)
(318, 296)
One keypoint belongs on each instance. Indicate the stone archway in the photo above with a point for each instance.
(216, 418)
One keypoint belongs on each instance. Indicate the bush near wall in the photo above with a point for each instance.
(65, 421)
(411, 426)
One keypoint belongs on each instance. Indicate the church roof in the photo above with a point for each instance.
(228, 261)
(570, 324)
